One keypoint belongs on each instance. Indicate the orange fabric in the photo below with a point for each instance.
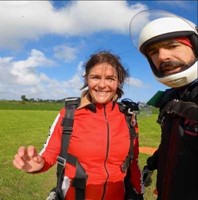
(114, 191)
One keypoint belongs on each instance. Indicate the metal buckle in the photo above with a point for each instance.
(72, 100)
(61, 161)
(130, 111)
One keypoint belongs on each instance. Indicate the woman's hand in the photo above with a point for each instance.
(27, 159)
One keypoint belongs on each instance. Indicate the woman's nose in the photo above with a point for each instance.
(102, 83)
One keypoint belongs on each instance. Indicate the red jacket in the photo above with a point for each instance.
(100, 141)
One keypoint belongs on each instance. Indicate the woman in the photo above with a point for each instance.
(100, 139)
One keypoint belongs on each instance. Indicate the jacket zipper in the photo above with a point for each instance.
(107, 153)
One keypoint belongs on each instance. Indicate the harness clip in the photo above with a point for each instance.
(130, 105)
(61, 161)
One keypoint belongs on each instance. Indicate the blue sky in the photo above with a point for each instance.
(43, 45)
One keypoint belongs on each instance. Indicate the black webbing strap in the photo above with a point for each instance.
(187, 110)
(127, 107)
(125, 165)
(70, 105)
(79, 181)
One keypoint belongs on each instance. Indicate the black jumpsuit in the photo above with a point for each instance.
(176, 159)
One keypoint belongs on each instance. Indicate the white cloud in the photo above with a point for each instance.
(24, 71)
(135, 82)
(22, 77)
(65, 53)
(25, 20)
(5, 66)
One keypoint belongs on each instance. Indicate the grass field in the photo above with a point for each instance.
(25, 127)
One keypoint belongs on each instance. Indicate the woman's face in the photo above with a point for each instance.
(102, 82)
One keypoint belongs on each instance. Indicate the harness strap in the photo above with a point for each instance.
(125, 165)
(129, 115)
(67, 124)
(187, 110)
(79, 181)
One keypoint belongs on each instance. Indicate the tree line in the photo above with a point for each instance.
(25, 99)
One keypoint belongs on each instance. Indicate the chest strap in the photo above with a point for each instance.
(183, 109)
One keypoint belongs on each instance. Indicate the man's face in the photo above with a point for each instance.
(170, 56)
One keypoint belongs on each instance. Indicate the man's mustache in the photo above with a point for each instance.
(170, 65)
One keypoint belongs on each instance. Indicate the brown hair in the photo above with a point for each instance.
(111, 59)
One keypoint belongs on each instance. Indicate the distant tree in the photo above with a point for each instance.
(31, 100)
(23, 98)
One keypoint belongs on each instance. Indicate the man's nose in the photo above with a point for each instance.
(164, 54)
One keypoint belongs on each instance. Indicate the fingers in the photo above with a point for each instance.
(18, 158)
(21, 151)
(26, 159)
(31, 151)
(18, 162)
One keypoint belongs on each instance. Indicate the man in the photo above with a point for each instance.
(170, 44)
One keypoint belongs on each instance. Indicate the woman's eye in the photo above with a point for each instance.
(94, 77)
(111, 78)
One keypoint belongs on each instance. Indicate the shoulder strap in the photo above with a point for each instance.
(79, 181)
(128, 107)
(125, 165)
(71, 104)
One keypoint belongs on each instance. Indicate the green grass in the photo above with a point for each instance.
(21, 127)
(149, 130)
(25, 127)
(20, 105)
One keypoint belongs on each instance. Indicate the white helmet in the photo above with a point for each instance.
(150, 26)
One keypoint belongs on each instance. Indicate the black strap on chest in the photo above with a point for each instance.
(128, 107)
(79, 181)
(125, 165)
(188, 110)
(67, 123)
(183, 103)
